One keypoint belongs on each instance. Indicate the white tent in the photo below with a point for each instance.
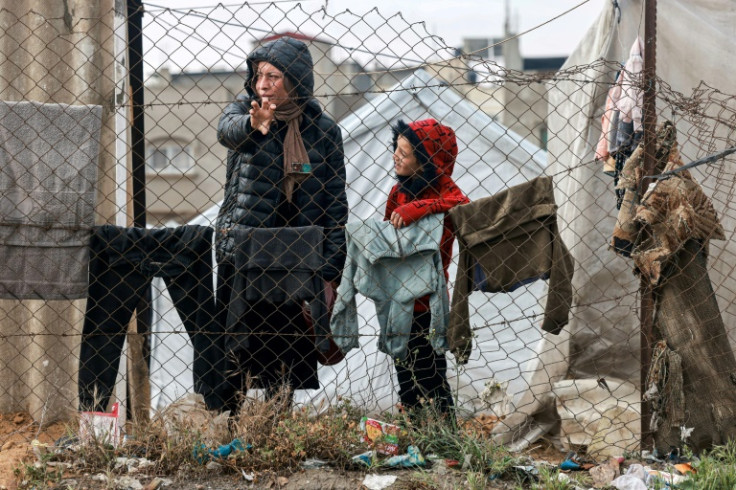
(490, 159)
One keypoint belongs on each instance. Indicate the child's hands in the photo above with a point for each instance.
(396, 220)
(261, 116)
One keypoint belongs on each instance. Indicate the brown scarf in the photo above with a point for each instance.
(296, 159)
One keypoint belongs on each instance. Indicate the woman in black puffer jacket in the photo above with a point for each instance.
(285, 167)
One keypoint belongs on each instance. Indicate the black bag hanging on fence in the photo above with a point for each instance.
(282, 265)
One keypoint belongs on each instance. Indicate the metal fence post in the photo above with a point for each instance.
(649, 116)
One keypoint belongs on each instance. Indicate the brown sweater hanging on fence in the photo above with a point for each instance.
(699, 393)
(513, 238)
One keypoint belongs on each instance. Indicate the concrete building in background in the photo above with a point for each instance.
(185, 165)
(504, 83)
(481, 72)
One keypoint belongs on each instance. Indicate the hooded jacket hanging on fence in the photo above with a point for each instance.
(393, 267)
(255, 167)
(507, 240)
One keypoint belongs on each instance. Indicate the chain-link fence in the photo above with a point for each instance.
(156, 245)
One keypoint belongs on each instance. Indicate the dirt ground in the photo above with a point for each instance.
(17, 430)
(311, 479)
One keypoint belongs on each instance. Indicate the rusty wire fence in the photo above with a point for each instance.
(78, 317)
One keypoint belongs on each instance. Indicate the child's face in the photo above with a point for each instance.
(405, 162)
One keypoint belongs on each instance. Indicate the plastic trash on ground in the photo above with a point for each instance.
(365, 458)
(570, 465)
(100, 427)
(202, 455)
(684, 468)
(383, 436)
(378, 482)
(313, 463)
(629, 482)
(574, 463)
(413, 457)
(640, 477)
(668, 478)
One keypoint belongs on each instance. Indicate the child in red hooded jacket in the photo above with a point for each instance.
(424, 157)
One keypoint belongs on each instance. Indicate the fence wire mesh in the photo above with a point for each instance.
(98, 308)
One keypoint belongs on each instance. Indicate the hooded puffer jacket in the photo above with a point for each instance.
(253, 188)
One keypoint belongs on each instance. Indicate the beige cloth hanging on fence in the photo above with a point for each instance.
(678, 221)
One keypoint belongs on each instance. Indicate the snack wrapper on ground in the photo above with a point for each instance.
(383, 436)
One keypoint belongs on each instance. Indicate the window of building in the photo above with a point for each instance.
(169, 157)
(543, 136)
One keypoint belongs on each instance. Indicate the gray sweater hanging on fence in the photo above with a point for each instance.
(48, 180)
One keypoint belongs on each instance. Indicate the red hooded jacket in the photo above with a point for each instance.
(438, 149)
